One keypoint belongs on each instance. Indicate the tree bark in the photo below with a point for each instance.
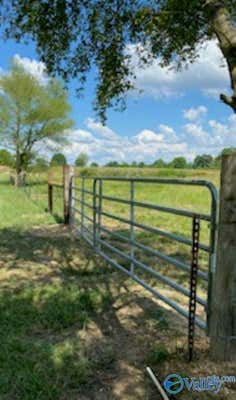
(19, 177)
(222, 321)
(226, 33)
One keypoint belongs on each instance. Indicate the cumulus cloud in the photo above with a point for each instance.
(147, 136)
(34, 67)
(193, 114)
(99, 128)
(80, 136)
(146, 145)
(195, 137)
(208, 74)
(212, 137)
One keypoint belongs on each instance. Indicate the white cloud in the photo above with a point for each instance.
(34, 67)
(208, 74)
(146, 145)
(80, 136)
(102, 130)
(147, 136)
(193, 114)
(195, 137)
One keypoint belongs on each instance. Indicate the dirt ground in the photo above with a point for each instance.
(132, 331)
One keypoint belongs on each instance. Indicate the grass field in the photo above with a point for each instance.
(73, 328)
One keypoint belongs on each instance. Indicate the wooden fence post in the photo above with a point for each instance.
(222, 320)
(67, 175)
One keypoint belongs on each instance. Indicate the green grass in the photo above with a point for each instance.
(26, 206)
(70, 327)
(41, 302)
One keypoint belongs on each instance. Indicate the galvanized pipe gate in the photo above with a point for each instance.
(91, 227)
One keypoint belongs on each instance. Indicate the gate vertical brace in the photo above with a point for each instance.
(71, 202)
(95, 214)
(132, 225)
(99, 220)
(82, 206)
(193, 285)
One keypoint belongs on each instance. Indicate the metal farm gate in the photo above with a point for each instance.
(110, 217)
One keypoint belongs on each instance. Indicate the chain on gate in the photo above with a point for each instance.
(193, 285)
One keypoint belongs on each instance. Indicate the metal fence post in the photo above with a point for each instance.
(193, 285)
(132, 225)
(222, 327)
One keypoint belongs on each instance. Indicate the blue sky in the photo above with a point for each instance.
(177, 113)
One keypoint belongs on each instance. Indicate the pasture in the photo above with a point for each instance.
(73, 328)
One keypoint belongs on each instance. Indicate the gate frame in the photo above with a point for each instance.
(97, 194)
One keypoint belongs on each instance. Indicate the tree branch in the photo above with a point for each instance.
(225, 31)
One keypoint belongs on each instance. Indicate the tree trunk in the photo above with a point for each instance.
(20, 173)
(226, 34)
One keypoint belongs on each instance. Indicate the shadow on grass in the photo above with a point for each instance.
(71, 326)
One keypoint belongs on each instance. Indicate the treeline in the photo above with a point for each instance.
(204, 161)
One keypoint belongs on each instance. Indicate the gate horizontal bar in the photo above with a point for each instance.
(82, 202)
(175, 211)
(157, 231)
(151, 271)
(156, 253)
(85, 216)
(82, 190)
(199, 322)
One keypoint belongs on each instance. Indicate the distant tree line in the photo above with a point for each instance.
(203, 161)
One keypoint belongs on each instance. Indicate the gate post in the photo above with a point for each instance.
(67, 175)
(222, 319)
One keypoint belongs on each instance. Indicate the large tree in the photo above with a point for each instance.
(178, 162)
(203, 161)
(73, 35)
(31, 113)
(82, 160)
(6, 158)
(58, 160)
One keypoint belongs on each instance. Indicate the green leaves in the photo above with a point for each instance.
(73, 35)
(31, 111)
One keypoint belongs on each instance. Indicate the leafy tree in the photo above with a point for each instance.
(179, 162)
(82, 160)
(94, 164)
(31, 113)
(112, 164)
(203, 161)
(141, 164)
(58, 159)
(72, 36)
(228, 150)
(6, 158)
(40, 164)
(159, 163)
(225, 151)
